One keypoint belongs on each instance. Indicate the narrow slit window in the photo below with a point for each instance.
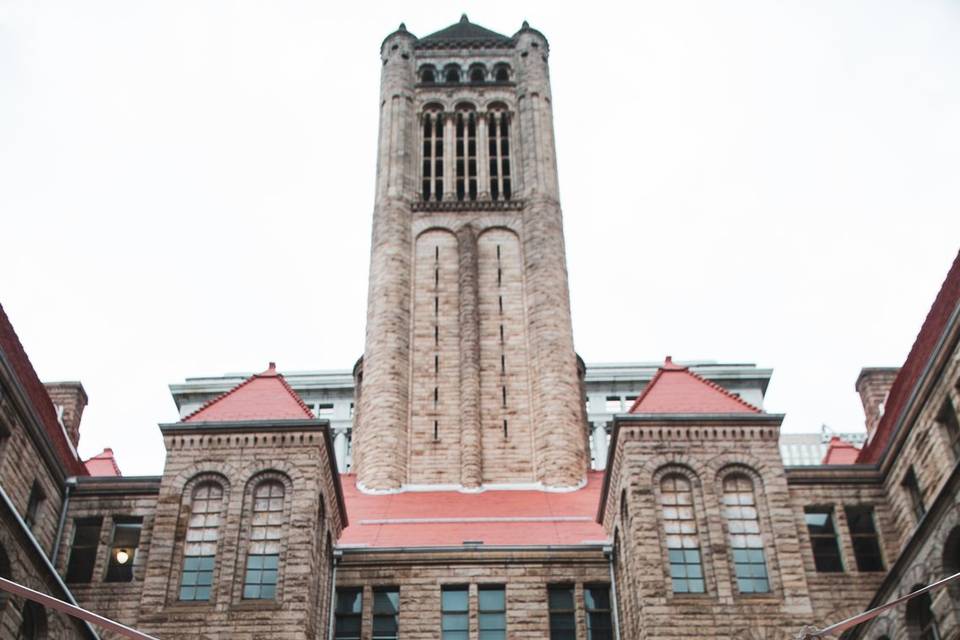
(740, 510)
(436, 395)
(912, 487)
(503, 363)
(436, 363)
(500, 300)
(436, 429)
(683, 543)
(436, 305)
(506, 431)
(504, 390)
(501, 333)
(436, 335)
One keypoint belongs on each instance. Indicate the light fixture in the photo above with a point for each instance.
(122, 556)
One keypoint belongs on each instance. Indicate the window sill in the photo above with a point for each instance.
(256, 605)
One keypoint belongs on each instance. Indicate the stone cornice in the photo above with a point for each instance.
(467, 205)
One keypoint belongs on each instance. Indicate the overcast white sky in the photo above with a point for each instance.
(186, 187)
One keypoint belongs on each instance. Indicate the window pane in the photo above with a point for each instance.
(823, 538)
(83, 554)
(347, 614)
(125, 540)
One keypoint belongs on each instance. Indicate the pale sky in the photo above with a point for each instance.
(186, 187)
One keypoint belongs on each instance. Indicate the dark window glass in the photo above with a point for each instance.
(599, 622)
(920, 618)
(823, 538)
(386, 612)
(83, 553)
(863, 535)
(563, 624)
(123, 549)
(912, 487)
(455, 608)
(503, 75)
(347, 614)
(492, 613)
(33, 504)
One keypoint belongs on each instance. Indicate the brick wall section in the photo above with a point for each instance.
(73, 398)
(420, 575)
(873, 385)
(704, 451)
(300, 460)
(119, 601)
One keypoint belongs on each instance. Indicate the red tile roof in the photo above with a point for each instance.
(103, 464)
(495, 517)
(839, 451)
(264, 396)
(923, 350)
(676, 389)
(37, 394)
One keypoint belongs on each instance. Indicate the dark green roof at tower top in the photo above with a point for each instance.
(464, 34)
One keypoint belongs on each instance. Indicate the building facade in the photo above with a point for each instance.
(471, 478)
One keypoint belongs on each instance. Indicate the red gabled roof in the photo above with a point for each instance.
(263, 396)
(493, 517)
(37, 394)
(676, 389)
(103, 464)
(921, 352)
(839, 451)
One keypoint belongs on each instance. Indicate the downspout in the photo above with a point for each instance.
(69, 484)
(608, 551)
(333, 590)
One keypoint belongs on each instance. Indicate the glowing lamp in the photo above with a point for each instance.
(122, 556)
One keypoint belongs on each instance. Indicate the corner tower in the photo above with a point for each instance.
(469, 377)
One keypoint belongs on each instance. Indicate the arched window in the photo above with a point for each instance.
(680, 525)
(266, 528)
(200, 548)
(428, 75)
(498, 145)
(478, 73)
(624, 509)
(33, 622)
(432, 169)
(921, 622)
(451, 74)
(501, 73)
(466, 154)
(740, 510)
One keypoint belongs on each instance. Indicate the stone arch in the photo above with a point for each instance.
(501, 72)
(427, 74)
(949, 556)
(477, 73)
(919, 615)
(33, 621)
(452, 74)
(214, 467)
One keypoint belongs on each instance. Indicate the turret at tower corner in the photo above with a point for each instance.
(469, 377)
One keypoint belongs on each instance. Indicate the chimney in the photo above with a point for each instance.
(70, 399)
(873, 385)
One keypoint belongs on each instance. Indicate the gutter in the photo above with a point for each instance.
(45, 561)
(69, 484)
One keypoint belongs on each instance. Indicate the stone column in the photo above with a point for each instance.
(471, 465)
(483, 158)
(340, 449)
(599, 436)
(449, 156)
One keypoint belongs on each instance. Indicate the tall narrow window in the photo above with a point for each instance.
(83, 553)
(432, 163)
(455, 618)
(200, 548)
(263, 557)
(563, 622)
(823, 539)
(347, 614)
(683, 543)
(740, 510)
(920, 618)
(34, 501)
(948, 418)
(123, 548)
(386, 613)
(863, 535)
(492, 613)
(599, 621)
(498, 144)
(466, 155)
(912, 487)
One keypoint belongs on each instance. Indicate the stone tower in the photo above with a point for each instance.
(469, 377)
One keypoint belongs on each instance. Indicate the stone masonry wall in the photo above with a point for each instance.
(526, 575)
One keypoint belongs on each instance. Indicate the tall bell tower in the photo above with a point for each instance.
(469, 377)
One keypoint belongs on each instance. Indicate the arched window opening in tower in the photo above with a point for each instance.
(502, 73)
(498, 144)
(466, 155)
(452, 74)
(428, 75)
(432, 166)
(478, 74)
